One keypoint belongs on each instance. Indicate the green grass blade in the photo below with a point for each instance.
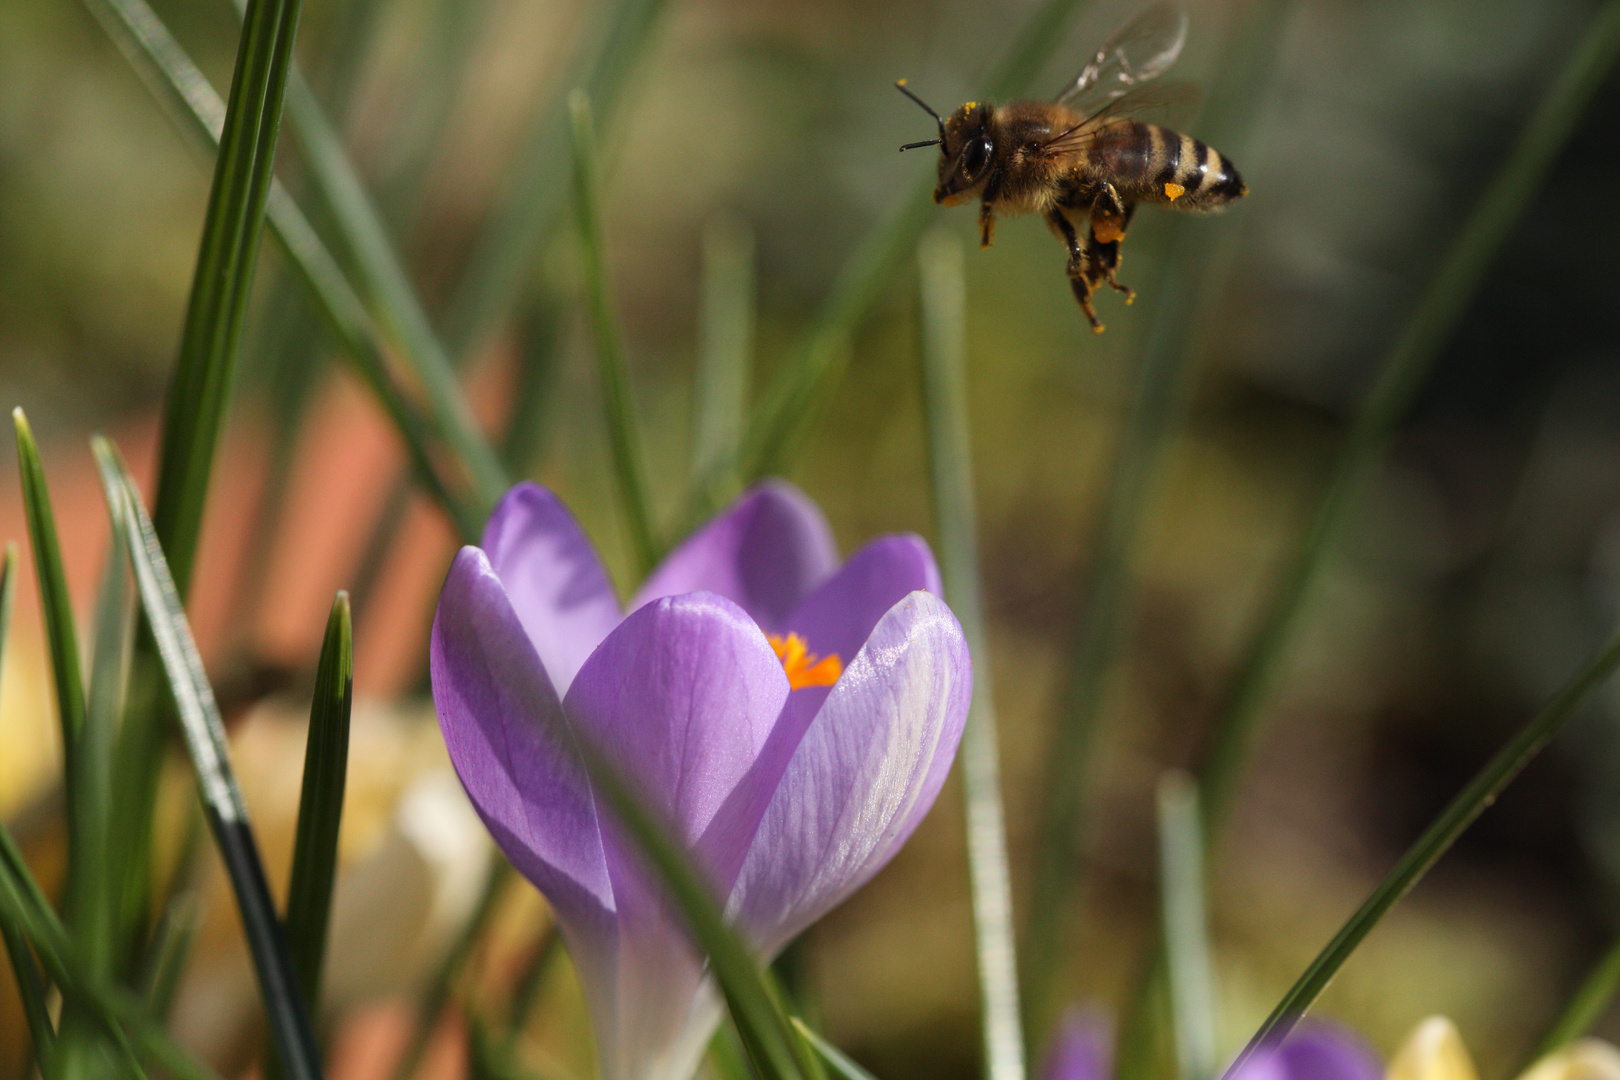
(526, 991)
(725, 344)
(821, 355)
(112, 649)
(226, 260)
(539, 367)
(439, 988)
(320, 808)
(197, 110)
(1590, 1001)
(945, 397)
(1186, 926)
(523, 226)
(727, 1060)
(629, 459)
(1178, 303)
(388, 288)
(81, 789)
(1402, 374)
(23, 904)
(170, 947)
(30, 987)
(1440, 835)
(86, 759)
(348, 321)
(204, 733)
(197, 400)
(841, 1064)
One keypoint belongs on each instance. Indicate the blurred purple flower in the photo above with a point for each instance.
(1314, 1051)
(1082, 1049)
(791, 720)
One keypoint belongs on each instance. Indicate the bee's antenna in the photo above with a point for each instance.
(900, 85)
(915, 145)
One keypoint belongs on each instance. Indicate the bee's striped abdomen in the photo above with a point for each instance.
(1155, 164)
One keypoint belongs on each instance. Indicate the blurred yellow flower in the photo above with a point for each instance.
(1435, 1051)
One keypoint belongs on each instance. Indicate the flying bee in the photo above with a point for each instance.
(1081, 156)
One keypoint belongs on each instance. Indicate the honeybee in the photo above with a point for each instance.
(1080, 156)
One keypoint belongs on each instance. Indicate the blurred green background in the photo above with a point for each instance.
(1481, 564)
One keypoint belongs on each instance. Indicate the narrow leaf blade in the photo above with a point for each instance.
(204, 733)
(1186, 926)
(1436, 839)
(1585, 1008)
(624, 436)
(197, 110)
(532, 208)
(944, 298)
(725, 347)
(822, 353)
(1400, 378)
(842, 1065)
(320, 808)
(23, 904)
(30, 987)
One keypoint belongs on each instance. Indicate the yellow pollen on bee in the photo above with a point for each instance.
(804, 668)
(1107, 229)
(1173, 191)
(971, 105)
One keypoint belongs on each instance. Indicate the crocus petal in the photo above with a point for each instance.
(506, 734)
(1587, 1059)
(682, 696)
(1082, 1049)
(865, 772)
(838, 617)
(1314, 1051)
(765, 554)
(1433, 1051)
(1326, 1052)
(556, 583)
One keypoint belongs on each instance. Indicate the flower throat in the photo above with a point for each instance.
(805, 668)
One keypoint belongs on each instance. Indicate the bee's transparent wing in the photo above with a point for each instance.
(1143, 49)
(1165, 103)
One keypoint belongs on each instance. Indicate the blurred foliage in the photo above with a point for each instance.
(1480, 569)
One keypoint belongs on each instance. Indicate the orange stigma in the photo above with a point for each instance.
(805, 668)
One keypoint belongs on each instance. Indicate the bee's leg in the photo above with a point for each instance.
(1109, 214)
(1086, 270)
(987, 223)
(1082, 292)
(1065, 230)
(1106, 256)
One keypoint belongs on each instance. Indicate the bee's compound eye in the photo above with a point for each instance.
(975, 156)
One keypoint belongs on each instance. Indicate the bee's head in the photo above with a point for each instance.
(964, 149)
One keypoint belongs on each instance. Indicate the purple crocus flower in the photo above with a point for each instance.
(791, 719)
(1082, 1049)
